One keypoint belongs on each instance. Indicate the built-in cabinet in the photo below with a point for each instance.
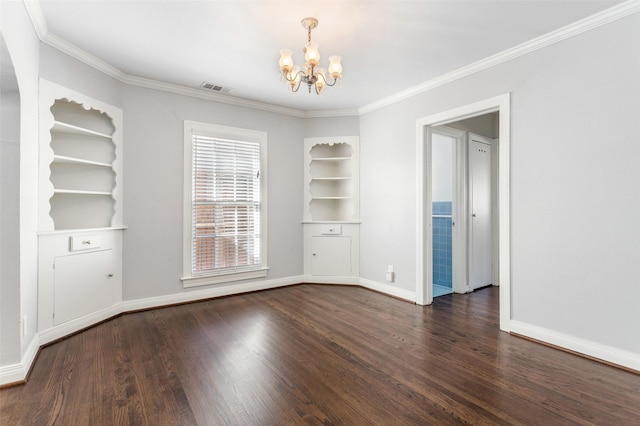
(331, 206)
(80, 206)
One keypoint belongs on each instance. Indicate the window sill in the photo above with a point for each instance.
(188, 282)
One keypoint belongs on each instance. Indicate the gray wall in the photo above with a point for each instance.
(575, 241)
(66, 71)
(9, 209)
(485, 125)
(331, 126)
(18, 289)
(153, 174)
(574, 208)
(153, 180)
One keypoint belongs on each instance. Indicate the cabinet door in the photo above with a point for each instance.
(331, 256)
(82, 284)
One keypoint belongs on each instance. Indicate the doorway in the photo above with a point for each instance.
(500, 248)
(446, 144)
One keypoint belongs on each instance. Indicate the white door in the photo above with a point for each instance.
(481, 233)
(331, 256)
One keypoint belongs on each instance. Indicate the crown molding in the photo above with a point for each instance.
(594, 21)
(217, 97)
(331, 113)
(83, 56)
(40, 26)
(606, 16)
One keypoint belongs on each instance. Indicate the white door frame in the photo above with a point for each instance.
(424, 290)
(458, 219)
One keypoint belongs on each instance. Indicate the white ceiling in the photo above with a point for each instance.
(386, 46)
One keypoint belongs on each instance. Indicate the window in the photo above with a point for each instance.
(224, 204)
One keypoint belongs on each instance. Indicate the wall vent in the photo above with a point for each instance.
(215, 87)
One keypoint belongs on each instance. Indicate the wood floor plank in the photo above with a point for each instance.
(317, 354)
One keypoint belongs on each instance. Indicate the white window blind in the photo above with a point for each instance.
(226, 206)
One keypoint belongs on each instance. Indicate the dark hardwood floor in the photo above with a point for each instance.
(313, 354)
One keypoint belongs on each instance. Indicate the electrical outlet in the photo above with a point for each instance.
(390, 274)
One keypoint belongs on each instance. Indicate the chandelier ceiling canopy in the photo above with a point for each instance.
(311, 75)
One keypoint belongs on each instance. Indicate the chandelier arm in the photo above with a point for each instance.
(295, 77)
(335, 80)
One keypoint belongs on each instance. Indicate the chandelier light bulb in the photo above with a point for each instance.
(312, 54)
(286, 61)
(335, 68)
(321, 81)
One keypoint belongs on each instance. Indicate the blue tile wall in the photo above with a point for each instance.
(442, 244)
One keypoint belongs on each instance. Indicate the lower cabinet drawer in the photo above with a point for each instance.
(84, 242)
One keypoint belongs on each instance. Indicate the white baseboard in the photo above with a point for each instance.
(388, 289)
(321, 279)
(14, 373)
(17, 372)
(593, 349)
(77, 324)
(216, 291)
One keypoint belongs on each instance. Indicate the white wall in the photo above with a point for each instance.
(442, 158)
(574, 207)
(20, 290)
(153, 180)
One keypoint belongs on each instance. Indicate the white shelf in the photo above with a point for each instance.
(332, 178)
(79, 192)
(331, 198)
(72, 160)
(62, 127)
(331, 159)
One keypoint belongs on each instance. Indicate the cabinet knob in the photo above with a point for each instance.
(110, 275)
(313, 254)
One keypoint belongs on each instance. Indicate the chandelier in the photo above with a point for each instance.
(311, 75)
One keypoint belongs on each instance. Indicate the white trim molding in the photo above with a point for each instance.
(604, 17)
(326, 279)
(16, 373)
(589, 23)
(209, 293)
(590, 348)
(502, 104)
(387, 289)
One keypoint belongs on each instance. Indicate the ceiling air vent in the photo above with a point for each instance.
(215, 87)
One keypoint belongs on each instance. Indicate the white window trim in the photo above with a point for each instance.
(222, 132)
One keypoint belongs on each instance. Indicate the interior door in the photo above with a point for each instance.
(481, 233)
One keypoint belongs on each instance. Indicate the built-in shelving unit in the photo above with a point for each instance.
(331, 209)
(332, 179)
(81, 169)
(80, 209)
